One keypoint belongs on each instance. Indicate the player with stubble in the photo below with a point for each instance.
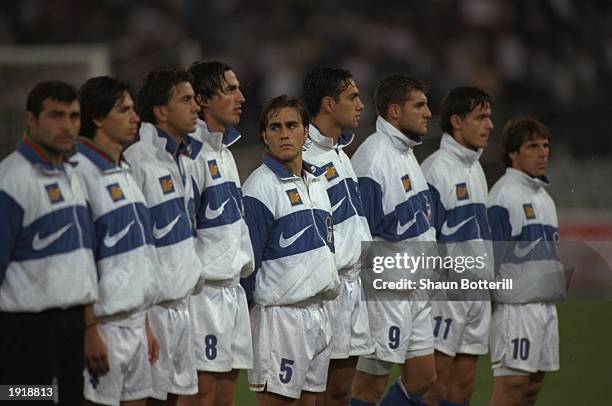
(333, 100)
(47, 267)
(397, 205)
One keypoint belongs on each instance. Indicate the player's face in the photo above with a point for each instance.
(347, 110)
(474, 129)
(181, 113)
(57, 125)
(414, 113)
(532, 156)
(121, 123)
(224, 108)
(285, 134)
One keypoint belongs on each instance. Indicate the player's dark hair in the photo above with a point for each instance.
(54, 90)
(208, 77)
(395, 89)
(156, 90)
(460, 101)
(273, 106)
(519, 130)
(98, 96)
(324, 81)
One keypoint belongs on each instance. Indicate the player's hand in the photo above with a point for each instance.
(153, 345)
(96, 353)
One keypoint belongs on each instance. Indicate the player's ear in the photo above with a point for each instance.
(327, 104)
(201, 101)
(97, 122)
(160, 113)
(455, 121)
(264, 139)
(513, 155)
(393, 111)
(31, 120)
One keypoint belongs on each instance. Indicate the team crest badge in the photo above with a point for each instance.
(406, 183)
(115, 192)
(294, 197)
(529, 211)
(213, 168)
(167, 186)
(54, 193)
(461, 191)
(330, 171)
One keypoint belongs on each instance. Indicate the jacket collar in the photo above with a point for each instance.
(398, 139)
(327, 142)
(464, 154)
(527, 180)
(284, 173)
(37, 156)
(98, 156)
(216, 139)
(153, 135)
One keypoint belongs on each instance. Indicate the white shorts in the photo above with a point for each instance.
(461, 327)
(401, 330)
(292, 347)
(129, 376)
(221, 329)
(174, 372)
(524, 337)
(348, 314)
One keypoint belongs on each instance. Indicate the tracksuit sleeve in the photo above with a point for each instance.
(11, 217)
(260, 221)
(371, 197)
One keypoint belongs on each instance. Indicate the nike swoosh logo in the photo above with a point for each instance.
(211, 214)
(111, 240)
(160, 233)
(42, 243)
(401, 229)
(335, 206)
(448, 231)
(522, 252)
(285, 242)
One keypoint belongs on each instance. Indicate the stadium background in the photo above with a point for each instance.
(548, 58)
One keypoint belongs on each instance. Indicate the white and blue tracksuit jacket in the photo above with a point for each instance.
(46, 238)
(161, 169)
(128, 269)
(350, 224)
(525, 228)
(459, 199)
(396, 199)
(291, 227)
(223, 242)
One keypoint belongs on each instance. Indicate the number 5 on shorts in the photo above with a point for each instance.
(286, 371)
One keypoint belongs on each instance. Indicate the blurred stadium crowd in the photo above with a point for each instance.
(551, 59)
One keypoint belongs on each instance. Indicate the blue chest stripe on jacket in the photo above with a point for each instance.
(219, 205)
(121, 230)
(44, 237)
(414, 210)
(295, 233)
(338, 196)
(171, 221)
(473, 220)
